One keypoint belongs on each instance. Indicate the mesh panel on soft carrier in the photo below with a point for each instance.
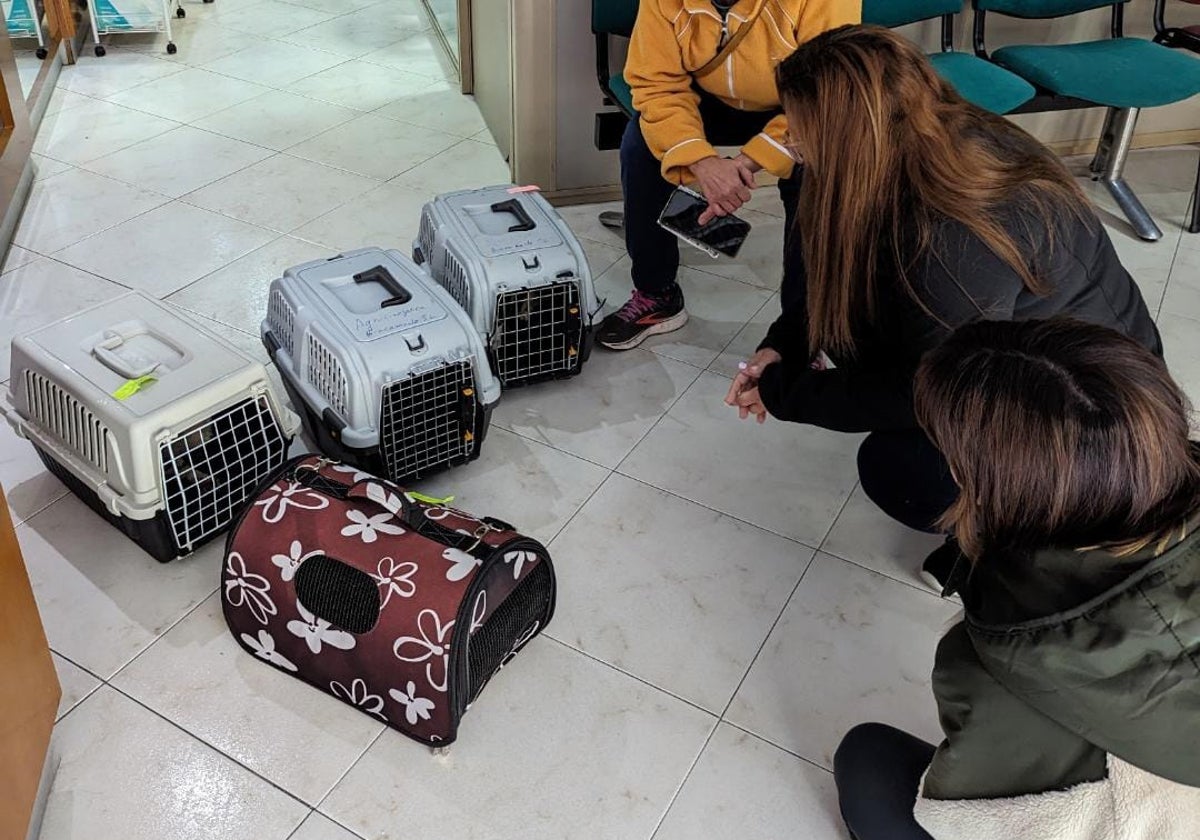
(515, 266)
(159, 426)
(387, 367)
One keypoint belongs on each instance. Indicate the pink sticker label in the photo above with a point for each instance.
(526, 189)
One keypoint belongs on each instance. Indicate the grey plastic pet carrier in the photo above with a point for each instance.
(161, 426)
(511, 261)
(383, 364)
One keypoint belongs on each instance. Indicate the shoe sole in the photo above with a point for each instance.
(671, 324)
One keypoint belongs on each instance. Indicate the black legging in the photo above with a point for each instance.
(878, 772)
(905, 475)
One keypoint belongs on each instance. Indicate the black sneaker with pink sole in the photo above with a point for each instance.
(642, 316)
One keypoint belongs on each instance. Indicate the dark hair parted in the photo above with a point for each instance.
(1061, 434)
(890, 150)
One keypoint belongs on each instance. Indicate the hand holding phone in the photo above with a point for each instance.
(722, 235)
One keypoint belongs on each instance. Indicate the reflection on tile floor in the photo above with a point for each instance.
(729, 601)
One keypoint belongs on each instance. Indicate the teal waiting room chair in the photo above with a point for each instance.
(612, 19)
(1121, 74)
(977, 80)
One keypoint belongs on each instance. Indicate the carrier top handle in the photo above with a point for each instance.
(512, 205)
(379, 274)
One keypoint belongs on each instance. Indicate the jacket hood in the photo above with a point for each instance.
(1113, 653)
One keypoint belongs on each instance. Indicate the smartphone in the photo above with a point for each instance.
(681, 216)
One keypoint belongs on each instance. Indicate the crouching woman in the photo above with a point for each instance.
(1069, 695)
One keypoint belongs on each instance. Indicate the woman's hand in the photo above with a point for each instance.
(725, 183)
(749, 373)
(749, 402)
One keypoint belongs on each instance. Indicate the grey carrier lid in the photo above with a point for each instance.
(134, 336)
(372, 295)
(500, 223)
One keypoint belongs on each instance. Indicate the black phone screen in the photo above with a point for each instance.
(681, 216)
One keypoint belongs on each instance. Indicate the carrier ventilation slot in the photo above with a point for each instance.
(326, 374)
(428, 420)
(454, 280)
(425, 237)
(538, 332)
(283, 320)
(209, 471)
(65, 417)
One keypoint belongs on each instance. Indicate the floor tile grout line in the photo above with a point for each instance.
(212, 747)
(163, 634)
(383, 730)
(734, 517)
(683, 782)
(296, 830)
(759, 737)
(658, 689)
(733, 697)
(767, 637)
(1162, 299)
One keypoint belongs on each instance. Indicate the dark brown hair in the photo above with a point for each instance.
(889, 150)
(1060, 434)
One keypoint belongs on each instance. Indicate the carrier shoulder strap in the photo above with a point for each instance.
(732, 44)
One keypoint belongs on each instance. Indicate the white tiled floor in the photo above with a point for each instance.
(730, 601)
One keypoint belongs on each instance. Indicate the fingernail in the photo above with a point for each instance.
(743, 365)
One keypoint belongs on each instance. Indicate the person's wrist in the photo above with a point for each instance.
(748, 162)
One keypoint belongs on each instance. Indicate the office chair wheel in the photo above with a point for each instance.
(181, 12)
(171, 48)
(42, 52)
(100, 51)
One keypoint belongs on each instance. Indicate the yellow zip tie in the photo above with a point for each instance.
(132, 386)
(429, 500)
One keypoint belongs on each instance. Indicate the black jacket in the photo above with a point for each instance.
(958, 280)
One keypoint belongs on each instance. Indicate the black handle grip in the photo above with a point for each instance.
(379, 274)
(524, 222)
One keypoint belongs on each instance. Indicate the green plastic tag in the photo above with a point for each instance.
(429, 500)
(132, 386)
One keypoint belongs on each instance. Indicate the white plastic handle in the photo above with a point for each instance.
(104, 352)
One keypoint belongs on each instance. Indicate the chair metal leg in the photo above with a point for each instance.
(1194, 221)
(1124, 122)
(1104, 148)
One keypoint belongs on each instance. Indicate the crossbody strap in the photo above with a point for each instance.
(732, 44)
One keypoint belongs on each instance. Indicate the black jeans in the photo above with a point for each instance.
(653, 251)
(906, 476)
(878, 772)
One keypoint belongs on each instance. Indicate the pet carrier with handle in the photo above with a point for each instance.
(511, 261)
(382, 363)
(400, 608)
(161, 426)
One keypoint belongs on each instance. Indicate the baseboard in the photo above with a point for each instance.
(49, 771)
(1148, 140)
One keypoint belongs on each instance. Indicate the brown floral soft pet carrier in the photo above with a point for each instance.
(401, 608)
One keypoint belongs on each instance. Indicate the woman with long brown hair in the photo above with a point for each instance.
(1069, 694)
(918, 212)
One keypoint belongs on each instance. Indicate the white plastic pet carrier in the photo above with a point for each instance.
(382, 361)
(511, 261)
(161, 426)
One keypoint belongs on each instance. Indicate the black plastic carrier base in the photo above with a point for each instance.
(152, 535)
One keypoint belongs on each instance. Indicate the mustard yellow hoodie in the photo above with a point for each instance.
(674, 38)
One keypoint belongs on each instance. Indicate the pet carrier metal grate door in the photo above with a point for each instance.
(538, 331)
(210, 470)
(428, 419)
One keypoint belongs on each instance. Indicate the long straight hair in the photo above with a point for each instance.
(890, 150)
(1060, 434)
